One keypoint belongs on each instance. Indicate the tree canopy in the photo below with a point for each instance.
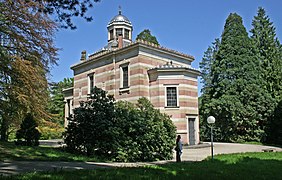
(147, 36)
(27, 51)
(56, 105)
(234, 85)
(269, 51)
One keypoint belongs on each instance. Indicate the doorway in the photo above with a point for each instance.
(191, 125)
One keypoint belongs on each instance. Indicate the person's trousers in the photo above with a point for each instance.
(178, 154)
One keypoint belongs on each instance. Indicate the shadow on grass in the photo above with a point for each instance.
(9, 151)
(235, 166)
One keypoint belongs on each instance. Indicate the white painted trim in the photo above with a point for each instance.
(177, 94)
(88, 84)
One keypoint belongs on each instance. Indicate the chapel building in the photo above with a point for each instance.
(131, 70)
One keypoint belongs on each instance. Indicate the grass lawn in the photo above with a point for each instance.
(9, 151)
(264, 165)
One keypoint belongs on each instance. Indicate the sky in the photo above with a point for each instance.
(188, 26)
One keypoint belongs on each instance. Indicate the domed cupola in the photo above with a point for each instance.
(119, 26)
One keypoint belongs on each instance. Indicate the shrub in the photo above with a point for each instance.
(51, 132)
(91, 128)
(145, 134)
(28, 135)
(122, 132)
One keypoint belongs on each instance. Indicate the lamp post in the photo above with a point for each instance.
(211, 121)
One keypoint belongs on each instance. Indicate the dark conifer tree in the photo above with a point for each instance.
(268, 50)
(28, 134)
(235, 97)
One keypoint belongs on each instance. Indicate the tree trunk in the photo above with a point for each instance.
(4, 130)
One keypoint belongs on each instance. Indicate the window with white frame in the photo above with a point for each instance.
(91, 82)
(126, 34)
(119, 32)
(124, 76)
(171, 96)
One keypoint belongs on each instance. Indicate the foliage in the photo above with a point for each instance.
(63, 11)
(123, 132)
(26, 39)
(145, 134)
(268, 48)
(147, 36)
(48, 132)
(233, 91)
(206, 78)
(28, 132)
(233, 166)
(92, 126)
(56, 105)
(27, 51)
(269, 51)
(275, 132)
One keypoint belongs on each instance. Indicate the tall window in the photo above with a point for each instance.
(171, 96)
(90, 83)
(111, 34)
(125, 76)
(118, 32)
(126, 34)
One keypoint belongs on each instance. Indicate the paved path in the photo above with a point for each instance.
(196, 153)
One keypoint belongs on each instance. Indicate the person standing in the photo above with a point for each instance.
(178, 148)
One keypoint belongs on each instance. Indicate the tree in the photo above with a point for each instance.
(269, 51)
(92, 125)
(65, 10)
(274, 131)
(28, 132)
(235, 97)
(26, 38)
(27, 51)
(56, 102)
(206, 78)
(147, 36)
(206, 63)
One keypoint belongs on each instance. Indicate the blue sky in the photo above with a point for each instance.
(188, 26)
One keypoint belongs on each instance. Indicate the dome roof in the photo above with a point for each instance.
(119, 19)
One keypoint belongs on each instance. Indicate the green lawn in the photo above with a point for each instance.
(264, 165)
(9, 151)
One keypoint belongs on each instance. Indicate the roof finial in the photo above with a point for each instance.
(119, 10)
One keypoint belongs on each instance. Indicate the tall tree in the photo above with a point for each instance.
(147, 36)
(27, 51)
(206, 63)
(236, 99)
(269, 51)
(205, 67)
(56, 103)
(26, 39)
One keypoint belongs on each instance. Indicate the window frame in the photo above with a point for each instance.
(111, 34)
(177, 95)
(89, 81)
(122, 66)
(126, 33)
(119, 31)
